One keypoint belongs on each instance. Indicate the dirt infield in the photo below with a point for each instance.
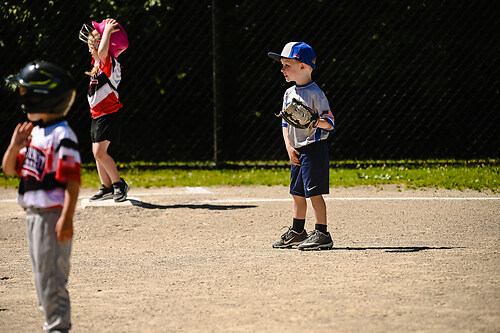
(200, 260)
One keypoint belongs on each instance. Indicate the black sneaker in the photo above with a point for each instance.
(103, 194)
(120, 190)
(317, 241)
(290, 238)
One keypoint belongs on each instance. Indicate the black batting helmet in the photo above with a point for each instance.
(47, 88)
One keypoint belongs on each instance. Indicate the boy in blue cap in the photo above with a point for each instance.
(308, 151)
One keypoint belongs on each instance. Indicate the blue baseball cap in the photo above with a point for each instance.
(296, 50)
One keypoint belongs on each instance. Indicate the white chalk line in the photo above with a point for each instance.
(355, 199)
(201, 190)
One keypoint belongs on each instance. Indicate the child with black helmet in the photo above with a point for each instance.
(44, 154)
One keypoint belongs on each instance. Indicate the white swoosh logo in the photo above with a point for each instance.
(312, 188)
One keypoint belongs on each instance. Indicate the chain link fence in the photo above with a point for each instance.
(405, 79)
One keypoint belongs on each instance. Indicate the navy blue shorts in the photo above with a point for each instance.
(311, 177)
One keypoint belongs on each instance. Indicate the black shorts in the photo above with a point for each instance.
(107, 127)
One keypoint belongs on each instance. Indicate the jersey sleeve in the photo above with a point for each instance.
(107, 66)
(283, 107)
(68, 159)
(323, 107)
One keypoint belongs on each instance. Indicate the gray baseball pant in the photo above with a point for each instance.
(50, 260)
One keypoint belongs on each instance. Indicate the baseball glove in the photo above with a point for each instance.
(299, 115)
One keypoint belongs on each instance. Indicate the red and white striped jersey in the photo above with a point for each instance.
(45, 166)
(103, 89)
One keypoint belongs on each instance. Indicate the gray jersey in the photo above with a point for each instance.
(313, 97)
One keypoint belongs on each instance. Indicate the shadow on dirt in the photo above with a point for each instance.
(397, 248)
(147, 205)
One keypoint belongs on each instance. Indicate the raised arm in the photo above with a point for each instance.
(20, 138)
(109, 29)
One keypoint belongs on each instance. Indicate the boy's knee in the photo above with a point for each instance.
(317, 199)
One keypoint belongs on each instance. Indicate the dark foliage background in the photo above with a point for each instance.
(405, 79)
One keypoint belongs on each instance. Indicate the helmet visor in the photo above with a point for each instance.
(86, 36)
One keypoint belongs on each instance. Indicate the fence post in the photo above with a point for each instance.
(215, 81)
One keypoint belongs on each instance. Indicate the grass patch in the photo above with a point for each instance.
(478, 175)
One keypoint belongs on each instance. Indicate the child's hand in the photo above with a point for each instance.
(22, 135)
(111, 26)
(20, 138)
(64, 229)
(293, 154)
